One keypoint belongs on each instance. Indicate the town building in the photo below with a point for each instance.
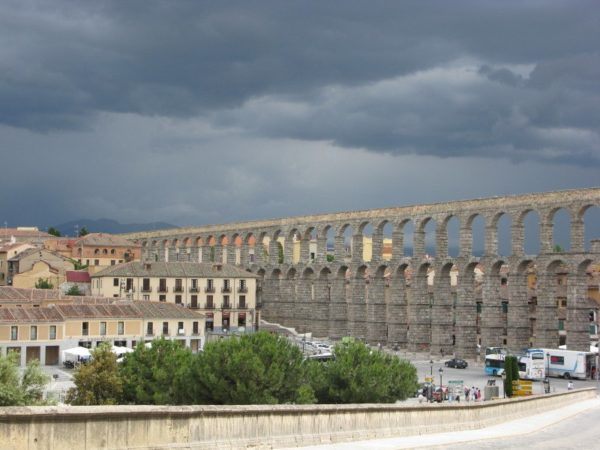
(32, 265)
(31, 235)
(43, 333)
(96, 250)
(79, 279)
(7, 251)
(224, 293)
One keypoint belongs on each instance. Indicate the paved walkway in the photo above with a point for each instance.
(513, 428)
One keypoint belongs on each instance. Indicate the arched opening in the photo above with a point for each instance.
(561, 230)
(346, 233)
(531, 234)
(308, 246)
(407, 229)
(453, 234)
(291, 247)
(329, 252)
(477, 235)
(386, 230)
(503, 223)
(429, 227)
(366, 229)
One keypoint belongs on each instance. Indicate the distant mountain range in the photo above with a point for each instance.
(108, 226)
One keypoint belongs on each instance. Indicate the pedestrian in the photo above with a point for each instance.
(467, 391)
(570, 385)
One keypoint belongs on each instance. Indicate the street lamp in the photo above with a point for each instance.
(431, 368)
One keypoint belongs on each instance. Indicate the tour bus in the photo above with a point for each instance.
(568, 363)
(531, 363)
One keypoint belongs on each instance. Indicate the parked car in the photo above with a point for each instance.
(457, 363)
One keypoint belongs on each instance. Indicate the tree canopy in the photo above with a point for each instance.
(23, 390)
(54, 232)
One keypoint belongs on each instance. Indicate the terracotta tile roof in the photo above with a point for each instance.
(107, 240)
(25, 315)
(174, 269)
(78, 276)
(16, 232)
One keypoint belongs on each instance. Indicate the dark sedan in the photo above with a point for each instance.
(457, 363)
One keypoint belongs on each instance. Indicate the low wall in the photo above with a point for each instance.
(200, 427)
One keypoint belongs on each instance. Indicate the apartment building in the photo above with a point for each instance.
(31, 265)
(7, 251)
(43, 333)
(225, 294)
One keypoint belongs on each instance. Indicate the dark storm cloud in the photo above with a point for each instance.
(533, 94)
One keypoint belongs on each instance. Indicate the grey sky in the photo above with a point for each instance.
(202, 112)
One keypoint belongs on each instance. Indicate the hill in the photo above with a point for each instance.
(108, 226)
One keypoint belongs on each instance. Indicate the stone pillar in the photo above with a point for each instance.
(321, 254)
(231, 253)
(259, 254)
(304, 302)
(466, 241)
(273, 303)
(577, 235)
(517, 238)
(163, 254)
(357, 309)
(320, 308)
(546, 323)
(419, 243)
(218, 253)
(442, 319)
(338, 309)
(517, 329)
(441, 241)
(397, 244)
(377, 246)
(578, 333)
(273, 252)
(546, 236)
(419, 333)
(377, 330)
(339, 250)
(288, 312)
(357, 248)
(195, 254)
(466, 316)
(491, 239)
(244, 255)
(492, 327)
(305, 251)
(397, 314)
(288, 251)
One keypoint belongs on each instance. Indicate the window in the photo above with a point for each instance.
(243, 287)
(561, 324)
(162, 298)
(210, 287)
(146, 297)
(14, 333)
(194, 285)
(504, 307)
(242, 301)
(178, 299)
(112, 251)
(85, 328)
(149, 329)
(226, 286)
(180, 329)
(33, 333)
(165, 328)
(209, 325)
(242, 320)
(178, 285)
(558, 360)
(478, 307)
(102, 328)
(96, 262)
(52, 332)
(162, 285)
(146, 285)
(112, 262)
(194, 301)
(194, 327)
(226, 301)
(121, 328)
(116, 282)
(209, 302)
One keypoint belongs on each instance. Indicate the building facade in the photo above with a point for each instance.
(43, 333)
(225, 294)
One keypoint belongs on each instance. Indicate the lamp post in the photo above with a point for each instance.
(431, 368)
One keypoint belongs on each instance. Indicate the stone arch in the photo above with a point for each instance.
(558, 235)
(344, 242)
(498, 234)
(383, 240)
(527, 231)
(404, 246)
(475, 226)
(445, 245)
(363, 242)
(425, 237)
(419, 333)
(338, 306)
(291, 246)
(584, 228)
(377, 327)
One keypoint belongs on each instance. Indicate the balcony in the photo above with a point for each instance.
(210, 306)
(163, 289)
(209, 289)
(226, 289)
(243, 289)
(226, 306)
(243, 305)
(194, 289)
(178, 289)
(146, 289)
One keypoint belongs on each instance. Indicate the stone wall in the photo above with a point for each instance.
(208, 427)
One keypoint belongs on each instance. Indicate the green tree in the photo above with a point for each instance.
(43, 283)
(279, 252)
(258, 368)
(360, 375)
(54, 232)
(21, 391)
(511, 373)
(74, 290)
(97, 382)
(558, 249)
(330, 257)
(157, 375)
(83, 232)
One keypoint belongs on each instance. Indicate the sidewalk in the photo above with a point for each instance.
(507, 429)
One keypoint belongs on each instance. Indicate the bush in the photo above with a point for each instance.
(21, 391)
